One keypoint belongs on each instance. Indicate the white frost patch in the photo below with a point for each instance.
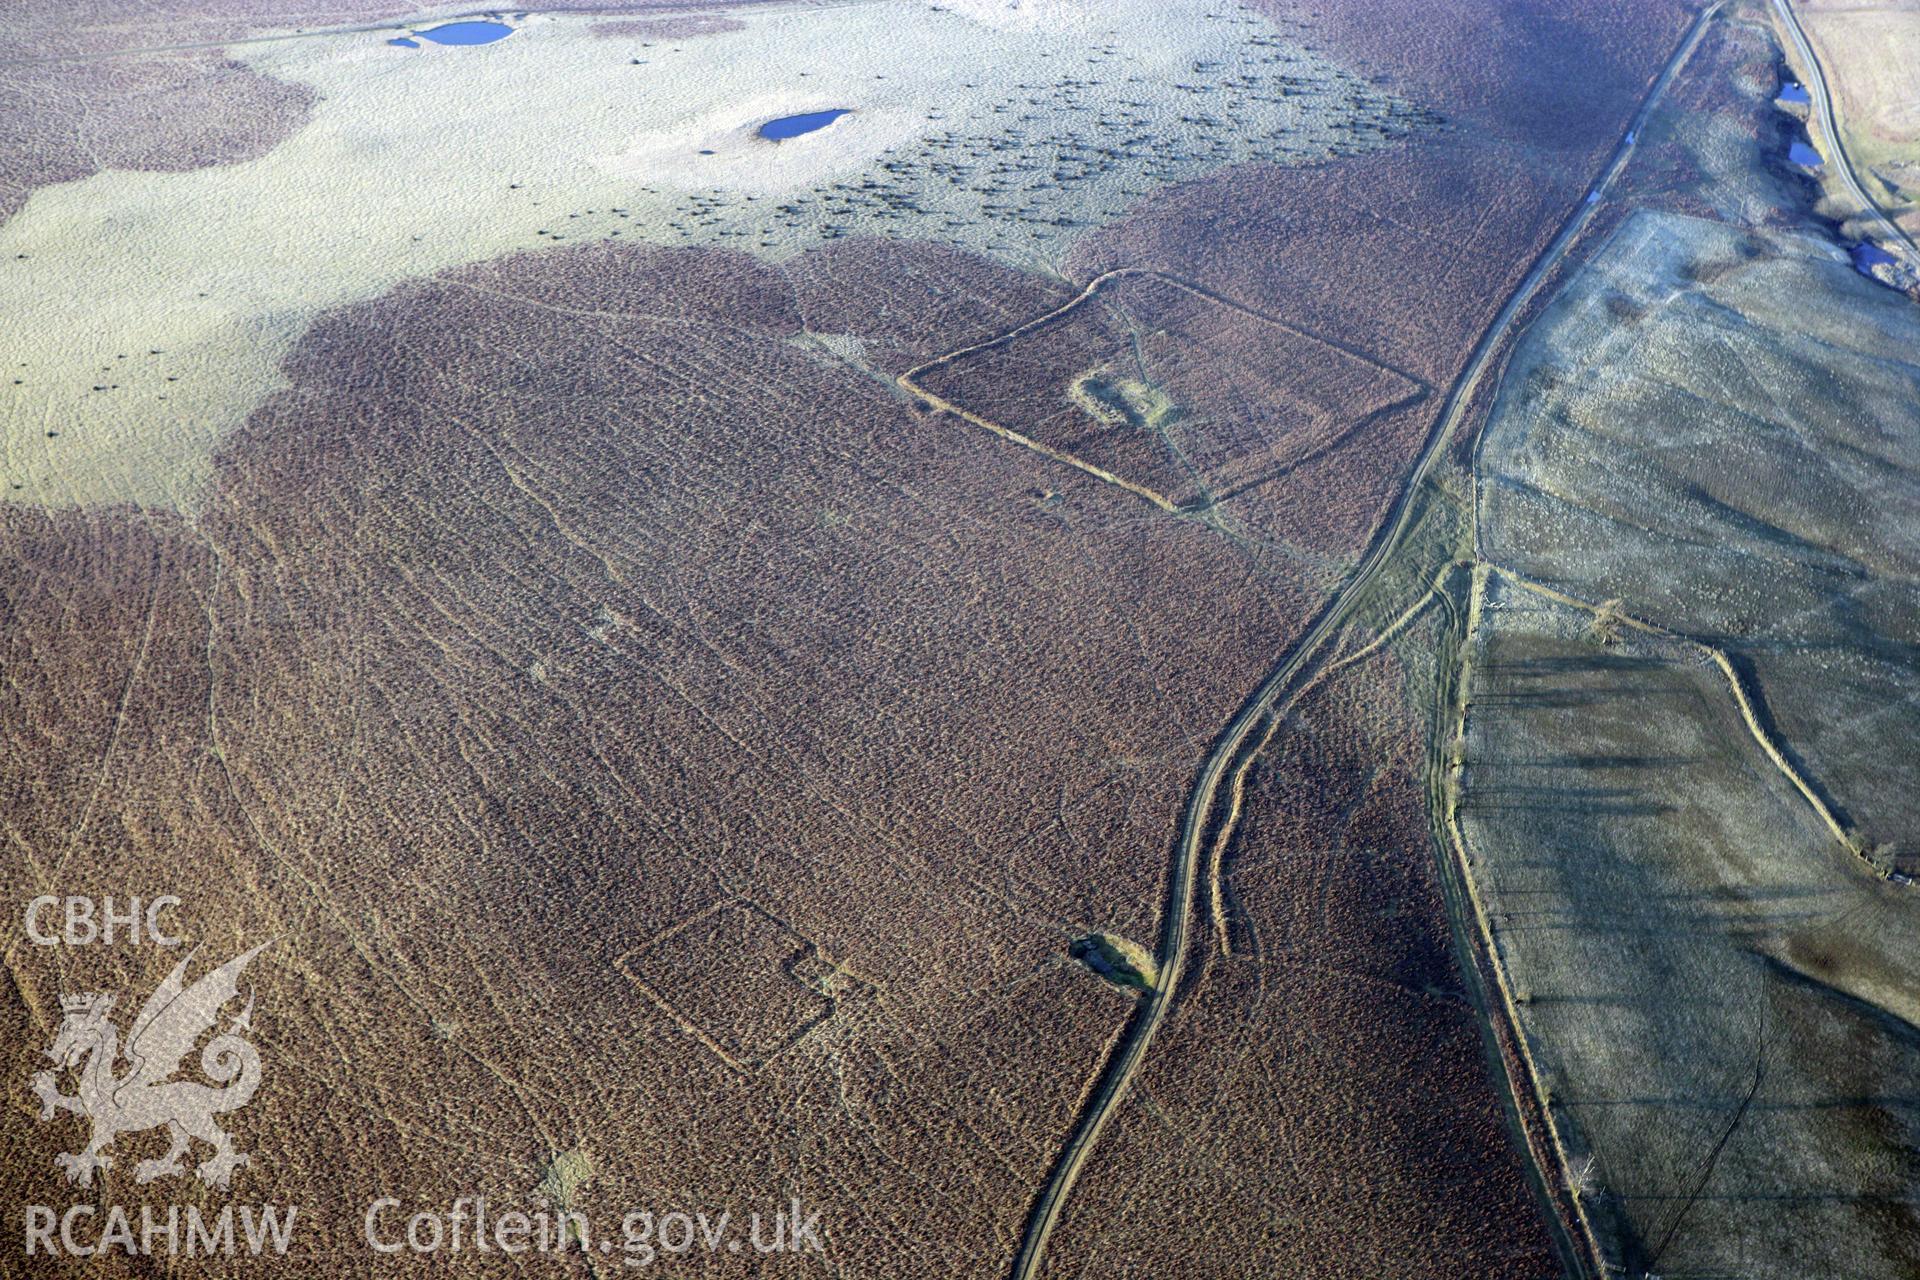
(676, 154)
(1009, 128)
(1023, 15)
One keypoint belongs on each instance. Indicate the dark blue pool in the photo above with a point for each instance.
(1795, 93)
(794, 126)
(468, 33)
(1805, 156)
(1867, 256)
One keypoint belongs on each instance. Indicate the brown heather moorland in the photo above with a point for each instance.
(649, 733)
(563, 601)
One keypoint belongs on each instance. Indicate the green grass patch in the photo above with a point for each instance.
(1123, 963)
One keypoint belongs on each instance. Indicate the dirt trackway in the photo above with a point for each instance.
(1226, 756)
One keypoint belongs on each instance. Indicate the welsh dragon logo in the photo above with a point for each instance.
(143, 1096)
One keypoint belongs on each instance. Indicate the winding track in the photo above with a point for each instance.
(1816, 86)
(1228, 748)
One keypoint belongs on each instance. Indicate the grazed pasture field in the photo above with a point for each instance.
(1685, 743)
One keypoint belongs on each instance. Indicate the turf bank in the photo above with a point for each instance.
(85, 1231)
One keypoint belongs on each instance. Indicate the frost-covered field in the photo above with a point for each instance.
(151, 310)
(1714, 429)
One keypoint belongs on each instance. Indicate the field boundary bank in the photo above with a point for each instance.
(909, 382)
(1522, 1097)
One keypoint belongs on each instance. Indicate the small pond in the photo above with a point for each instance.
(1795, 93)
(1805, 156)
(1867, 256)
(794, 126)
(474, 32)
